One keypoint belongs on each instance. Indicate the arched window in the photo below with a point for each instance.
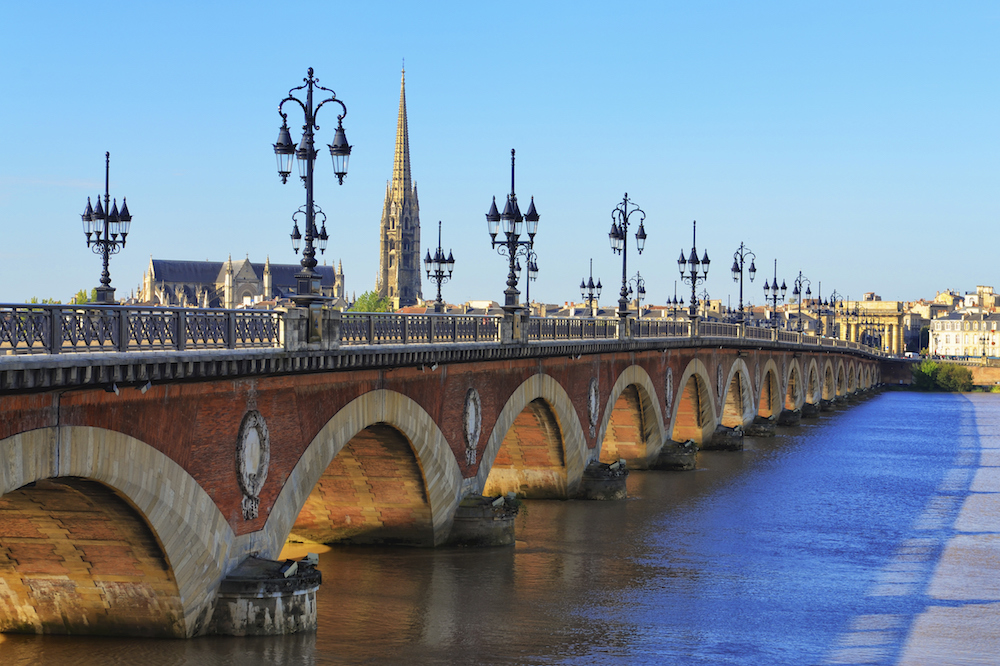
(392, 223)
(392, 244)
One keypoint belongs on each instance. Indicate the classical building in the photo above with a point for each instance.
(228, 284)
(972, 332)
(399, 231)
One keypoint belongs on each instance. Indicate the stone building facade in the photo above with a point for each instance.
(228, 284)
(399, 231)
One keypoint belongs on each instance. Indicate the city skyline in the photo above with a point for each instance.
(852, 143)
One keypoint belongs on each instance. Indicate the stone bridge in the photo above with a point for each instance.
(134, 481)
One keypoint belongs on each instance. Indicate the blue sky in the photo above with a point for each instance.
(858, 142)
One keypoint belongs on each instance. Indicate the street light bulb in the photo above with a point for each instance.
(493, 219)
(284, 152)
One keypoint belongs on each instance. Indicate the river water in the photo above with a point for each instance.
(867, 536)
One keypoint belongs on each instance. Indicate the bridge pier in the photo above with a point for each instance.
(810, 410)
(602, 481)
(725, 439)
(762, 426)
(484, 521)
(789, 417)
(676, 456)
(267, 598)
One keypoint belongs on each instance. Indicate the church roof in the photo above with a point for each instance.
(282, 275)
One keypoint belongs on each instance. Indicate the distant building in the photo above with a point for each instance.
(228, 284)
(399, 231)
(968, 333)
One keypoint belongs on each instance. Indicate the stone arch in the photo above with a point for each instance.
(867, 374)
(632, 425)
(558, 403)
(852, 378)
(814, 389)
(441, 475)
(694, 408)
(841, 379)
(197, 542)
(769, 392)
(737, 403)
(794, 390)
(829, 383)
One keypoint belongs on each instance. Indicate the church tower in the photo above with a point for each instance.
(399, 249)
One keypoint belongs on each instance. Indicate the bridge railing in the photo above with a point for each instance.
(373, 328)
(55, 329)
(660, 328)
(58, 329)
(571, 328)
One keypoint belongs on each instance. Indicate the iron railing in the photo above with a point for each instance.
(59, 329)
(55, 329)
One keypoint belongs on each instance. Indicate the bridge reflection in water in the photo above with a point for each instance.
(226, 453)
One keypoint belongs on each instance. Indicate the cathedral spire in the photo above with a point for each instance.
(401, 162)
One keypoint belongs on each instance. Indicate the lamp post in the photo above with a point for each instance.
(640, 292)
(797, 292)
(739, 261)
(439, 269)
(620, 218)
(689, 269)
(771, 292)
(308, 279)
(675, 302)
(106, 229)
(589, 292)
(512, 246)
(828, 308)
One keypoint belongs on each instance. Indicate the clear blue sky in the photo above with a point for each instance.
(858, 142)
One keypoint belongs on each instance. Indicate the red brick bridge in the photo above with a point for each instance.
(134, 476)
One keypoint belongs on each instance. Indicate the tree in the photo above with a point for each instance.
(931, 376)
(370, 302)
(81, 297)
(45, 301)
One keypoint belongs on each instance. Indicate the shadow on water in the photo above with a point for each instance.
(758, 557)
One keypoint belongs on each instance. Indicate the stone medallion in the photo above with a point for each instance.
(593, 405)
(472, 423)
(253, 453)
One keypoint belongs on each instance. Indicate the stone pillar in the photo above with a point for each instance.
(314, 329)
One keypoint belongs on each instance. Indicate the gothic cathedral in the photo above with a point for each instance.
(399, 251)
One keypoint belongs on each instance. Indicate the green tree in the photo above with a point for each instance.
(370, 302)
(45, 301)
(81, 297)
(925, 375)
(957, 378)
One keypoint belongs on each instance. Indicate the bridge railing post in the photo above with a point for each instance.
(231, 329)
(55, 329)
(180, 330)
(122, 328)
(774, 334)
(405, 328)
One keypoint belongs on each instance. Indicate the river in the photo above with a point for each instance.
(869, 535)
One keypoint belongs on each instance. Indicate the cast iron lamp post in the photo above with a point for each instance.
(619, 243)
(512, 246)
(640, 291)
(589, 292)
(106, 229)
(797, 285)
(689, 269)
(739, 260)
(308, 279)
(771, 292)
(439, 269)
(675, 302)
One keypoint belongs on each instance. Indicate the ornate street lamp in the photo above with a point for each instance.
(106, 229)
(797, 293)
(739, 260)
(640, 291)
(439, 269)
(689, 269)
(771, 292)
(513, 225)
(675, 303)
(308, 279)
(589, 292)
(620, 218)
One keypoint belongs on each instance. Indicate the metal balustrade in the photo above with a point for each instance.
(56, 329)
(60, 329)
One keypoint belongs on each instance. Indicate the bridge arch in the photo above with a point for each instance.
(841, 378)
(794, 389)
(382, 414)
(737, 403)
(196, 541)
(852, 377)
(769, 392)
(829, 383)
(814, 389)
(694, 407)
(543, 397)
(632, 425)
